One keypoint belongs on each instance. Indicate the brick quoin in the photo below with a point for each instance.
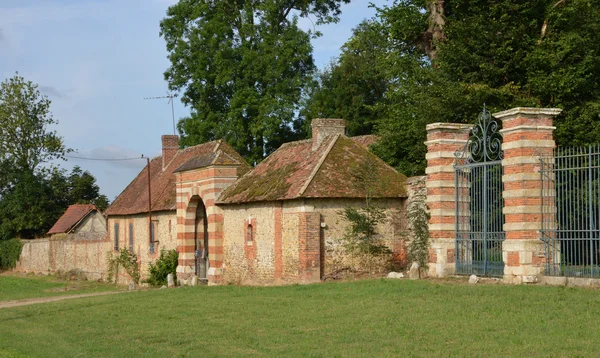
(278, 213)
(309, 246)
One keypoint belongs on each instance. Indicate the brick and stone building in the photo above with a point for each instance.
(277, 223)
(81, 220)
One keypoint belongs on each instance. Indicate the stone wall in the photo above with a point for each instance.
(301, 240)
(65, 253)
(86, 252)
(165, 236)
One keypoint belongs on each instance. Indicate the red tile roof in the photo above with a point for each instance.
(365, 140)
(72, 216)
(134, 199)
(296, 171)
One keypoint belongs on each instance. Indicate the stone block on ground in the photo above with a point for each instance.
(170, 280)
(473, 279)
(395, 275)
(413, 273)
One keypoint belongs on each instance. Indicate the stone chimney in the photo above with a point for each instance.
(170, 146)
(323, 127)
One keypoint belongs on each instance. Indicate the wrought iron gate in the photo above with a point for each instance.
(478, 201)
(571, 211)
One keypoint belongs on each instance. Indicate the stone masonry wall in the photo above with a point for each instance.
(65, 253)
(165, 236)
(299, 240)
(89, 254)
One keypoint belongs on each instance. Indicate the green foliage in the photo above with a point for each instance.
(352, 85)
(34, 201)
(362, 235)
(34, 196)
(10, 251)
(420, 62)
(242, 67)
(25, 138)
(166, 264)
(126, 260)
(77, 187)
(418, 249)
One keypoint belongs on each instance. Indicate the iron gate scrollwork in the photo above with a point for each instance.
(478, 200)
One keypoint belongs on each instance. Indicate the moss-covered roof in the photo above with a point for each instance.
(331, 171)
(134, 199)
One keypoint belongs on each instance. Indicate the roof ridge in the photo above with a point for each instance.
(301, 141)
(318, 166)
(91, 209)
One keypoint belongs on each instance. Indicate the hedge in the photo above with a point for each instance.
(10, 250)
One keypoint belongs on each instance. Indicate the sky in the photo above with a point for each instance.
(98, 59)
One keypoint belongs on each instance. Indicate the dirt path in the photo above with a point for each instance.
(34, 301)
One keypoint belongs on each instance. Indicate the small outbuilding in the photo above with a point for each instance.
(83, 221)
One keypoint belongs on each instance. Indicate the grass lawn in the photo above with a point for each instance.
(366, 318)
(21, 287)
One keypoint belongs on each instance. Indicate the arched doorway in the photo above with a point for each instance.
(194, 249)
(201, 239)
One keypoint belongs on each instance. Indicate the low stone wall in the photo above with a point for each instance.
(65, 253)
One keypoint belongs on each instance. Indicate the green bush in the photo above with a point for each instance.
(126, 260)
(166, 264)
(10, 250)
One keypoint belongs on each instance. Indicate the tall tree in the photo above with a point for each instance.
(502, 53)
(33, 193)
(26, 140)
(242, 66)
(353, 84)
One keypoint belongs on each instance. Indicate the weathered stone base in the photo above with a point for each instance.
(442, 259)
(523, 260)
(570, 281)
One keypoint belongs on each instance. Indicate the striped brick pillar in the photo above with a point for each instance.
(443, 140)
(527, 136)
(201, 187)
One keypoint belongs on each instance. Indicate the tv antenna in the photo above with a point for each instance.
(171, 97)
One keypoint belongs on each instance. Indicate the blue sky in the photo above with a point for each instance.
(97, 59)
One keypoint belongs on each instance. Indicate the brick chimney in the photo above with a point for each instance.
(323, 127)
(170, 146)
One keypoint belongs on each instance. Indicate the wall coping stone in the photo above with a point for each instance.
(525, 112)
(448, 126)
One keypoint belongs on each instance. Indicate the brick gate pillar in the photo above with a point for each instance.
(527, 136)
(443, 140)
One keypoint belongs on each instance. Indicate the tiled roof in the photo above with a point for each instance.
(215, 158)
(134, 199)
(296, 171)
(72, 216)
(366, 140)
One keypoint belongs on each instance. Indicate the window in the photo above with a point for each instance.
(131, 238)
(249, 233)
(153, 228)
(116, 236)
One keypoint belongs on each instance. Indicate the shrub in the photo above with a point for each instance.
(418, 250)
(127, 260)
(10, 250)
(166, 264)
